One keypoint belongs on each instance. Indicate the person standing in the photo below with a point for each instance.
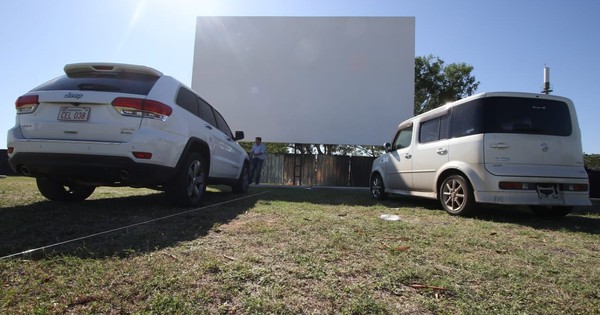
(258, 154)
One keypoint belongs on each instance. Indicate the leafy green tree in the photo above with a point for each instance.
(592, 161)
(272, 148)
(437, 84)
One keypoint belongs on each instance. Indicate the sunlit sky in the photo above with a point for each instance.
(507, 42)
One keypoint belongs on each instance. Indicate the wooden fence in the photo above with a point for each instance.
(320, 170)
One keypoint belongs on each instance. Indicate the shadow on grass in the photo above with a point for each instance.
(46, 224)
(118, 226)
(581, 219)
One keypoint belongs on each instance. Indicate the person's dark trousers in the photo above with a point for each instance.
(255, 167)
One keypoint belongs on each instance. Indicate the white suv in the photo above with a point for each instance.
(107, 124)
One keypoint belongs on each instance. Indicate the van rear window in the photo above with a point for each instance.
(511, 115)
(130, 83)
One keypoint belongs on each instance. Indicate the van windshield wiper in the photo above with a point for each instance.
(529, 130)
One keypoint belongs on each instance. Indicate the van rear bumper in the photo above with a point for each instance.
(531, 198)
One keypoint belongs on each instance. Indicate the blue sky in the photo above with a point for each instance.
(507, 42)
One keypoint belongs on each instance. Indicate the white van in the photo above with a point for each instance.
(497, 148)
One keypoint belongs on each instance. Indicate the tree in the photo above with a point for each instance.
(271, 147)
(592, 161)
(437, 84)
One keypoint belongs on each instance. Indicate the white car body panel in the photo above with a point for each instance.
(486, 159)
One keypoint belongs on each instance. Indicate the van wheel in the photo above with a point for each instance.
(243, 183)
(57, 191)
(456, 196)
(188, 186)
(377, 187)
(551, 211)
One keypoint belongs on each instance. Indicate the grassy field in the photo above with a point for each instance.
(289, 251)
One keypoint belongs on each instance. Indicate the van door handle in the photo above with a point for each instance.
(407, 156)
(208, 127)
(442, 151)
(499, 145)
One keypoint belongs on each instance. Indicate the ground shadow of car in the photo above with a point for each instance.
(581, 219)
(112, 226)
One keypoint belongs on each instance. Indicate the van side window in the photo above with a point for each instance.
(466, 120)
(434, 129)
(403, 138)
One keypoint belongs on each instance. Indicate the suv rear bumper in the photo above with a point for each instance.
(91, 169)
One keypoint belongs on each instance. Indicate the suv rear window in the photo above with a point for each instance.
(511, 115)
(130, 83)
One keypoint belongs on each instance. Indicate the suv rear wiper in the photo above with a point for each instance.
(98, 87)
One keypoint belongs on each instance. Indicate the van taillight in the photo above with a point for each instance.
(574, 187)
(143, 108)
(142, 155)
(27, 104)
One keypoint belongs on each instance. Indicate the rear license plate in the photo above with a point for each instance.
(547, 191)
(72, 113)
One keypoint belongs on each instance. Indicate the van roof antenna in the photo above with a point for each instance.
(546, 89)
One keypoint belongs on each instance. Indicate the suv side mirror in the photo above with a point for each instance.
(387, 146)
(239, 135)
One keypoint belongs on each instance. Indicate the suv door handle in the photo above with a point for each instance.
(208, 127)
(441, 151)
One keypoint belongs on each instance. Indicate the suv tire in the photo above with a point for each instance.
(189, 185)
(243, 183)
(57, 191)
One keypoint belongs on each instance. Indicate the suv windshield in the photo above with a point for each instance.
(511, 115)
(90, 81)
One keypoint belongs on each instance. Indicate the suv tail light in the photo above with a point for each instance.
(142, 108)
(27, 104)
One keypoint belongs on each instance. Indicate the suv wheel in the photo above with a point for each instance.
(377, 187)
(456, 196)
(189, 185)
(57, 191)
(243, 183)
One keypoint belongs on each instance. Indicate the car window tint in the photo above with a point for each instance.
(206, 112)
(90, 81)
(187, 99)
(403, 138)
(466, 120)
(222, 125)
(444, 126)
(434, 129)
(429, 131)
(526, 116)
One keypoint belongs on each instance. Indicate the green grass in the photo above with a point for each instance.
(290, 251)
